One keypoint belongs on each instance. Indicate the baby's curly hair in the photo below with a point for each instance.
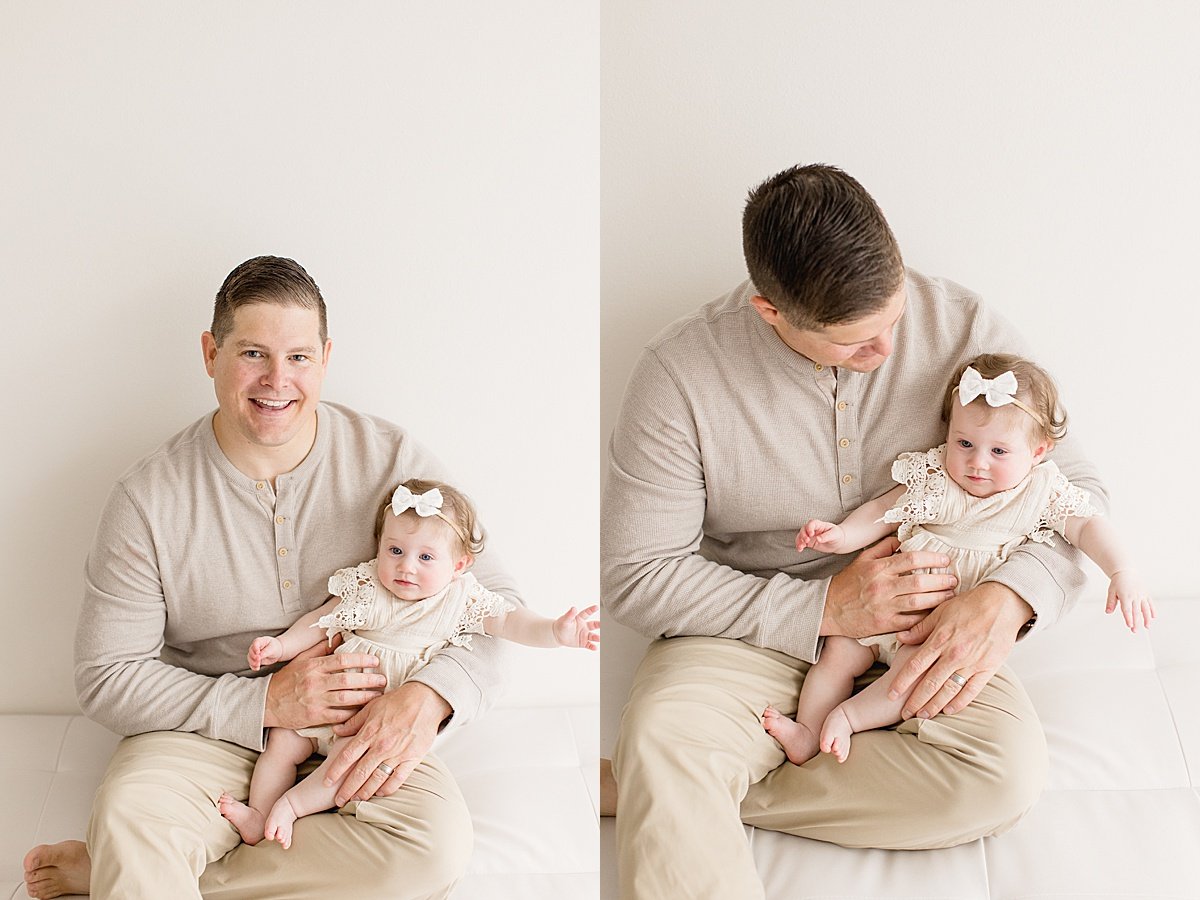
(1035, 388)
(456, 507)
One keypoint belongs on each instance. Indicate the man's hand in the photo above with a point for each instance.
(397, 729)
(879, 592)
(317, 690)
(969, 637)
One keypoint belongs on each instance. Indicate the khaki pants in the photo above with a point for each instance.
(156, 832)
(693, 763)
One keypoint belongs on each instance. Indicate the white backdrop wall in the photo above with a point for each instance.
(433, 166)
(1043, 154)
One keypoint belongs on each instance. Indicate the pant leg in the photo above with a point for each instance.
(936, 783)
(155, 825)
(153, 832)
(691, 742)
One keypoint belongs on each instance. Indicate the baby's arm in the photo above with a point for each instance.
(1100, 541)
(857, 530)
(524, 626)
(267, 650)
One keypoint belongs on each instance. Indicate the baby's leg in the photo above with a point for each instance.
(829, 681)
(274, 773)
(303, 799)
(869, 708)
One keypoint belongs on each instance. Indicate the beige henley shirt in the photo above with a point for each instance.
(192, 560)
(728, 441)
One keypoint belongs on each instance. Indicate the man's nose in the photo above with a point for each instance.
(276, 374)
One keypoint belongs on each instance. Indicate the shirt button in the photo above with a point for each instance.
(261, 485)
(283, 551)
(286, 585)
(842, 406)
(846, 479)
(844, 442)
(279, 520)
(819, 367)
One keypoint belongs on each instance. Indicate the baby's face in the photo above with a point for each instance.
(417, 556)
(991, 450)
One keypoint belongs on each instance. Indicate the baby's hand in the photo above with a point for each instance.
(824, 537)
(575, 629)
(1126, 589)
(263, 652)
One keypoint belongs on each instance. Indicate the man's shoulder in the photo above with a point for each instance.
(346, 423)
(177, 454)
(708, 326)
(928, 290)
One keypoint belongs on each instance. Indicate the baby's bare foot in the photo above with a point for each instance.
(279, 822)
(835, 734)
(52, 870)
(797, 739)
(247, 820)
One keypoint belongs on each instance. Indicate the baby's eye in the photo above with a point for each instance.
(999, 451)
(965, 444)
(426, 557)
(395, 551)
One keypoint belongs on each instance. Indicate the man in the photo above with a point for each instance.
(230, 530)
(785, 400)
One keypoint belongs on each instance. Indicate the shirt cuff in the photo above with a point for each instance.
(792, 624)
(243, 708)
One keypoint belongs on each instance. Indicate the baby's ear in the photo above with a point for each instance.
(464, 563)
(1040, 451)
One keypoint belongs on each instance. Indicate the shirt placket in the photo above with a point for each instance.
(847, 445)
(279, 505)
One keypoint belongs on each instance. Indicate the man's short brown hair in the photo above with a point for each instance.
(818, 247)
(266, 279)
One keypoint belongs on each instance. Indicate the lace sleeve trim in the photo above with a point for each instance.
(1066, 501)
(356, 587)
(481, 604)
(924, 479)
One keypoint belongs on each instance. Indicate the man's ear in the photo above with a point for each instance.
(765, 308)
(208, 345)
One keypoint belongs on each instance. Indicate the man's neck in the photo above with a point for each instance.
(264, 463)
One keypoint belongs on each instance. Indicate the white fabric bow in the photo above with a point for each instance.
(998, 391)
(426, 504)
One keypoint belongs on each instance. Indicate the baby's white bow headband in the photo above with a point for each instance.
(996, 392)
(424, 505)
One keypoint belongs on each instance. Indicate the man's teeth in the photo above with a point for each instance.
(273, 404)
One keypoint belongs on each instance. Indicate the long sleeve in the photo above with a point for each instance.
(120, 680)
(653, 578)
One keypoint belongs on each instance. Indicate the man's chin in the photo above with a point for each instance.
(865, 366)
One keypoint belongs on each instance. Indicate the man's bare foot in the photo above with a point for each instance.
(608, 789)
(52, 870)
(247, 820)
(835, 734)
(797, 739)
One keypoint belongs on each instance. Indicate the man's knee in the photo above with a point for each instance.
(431, 845)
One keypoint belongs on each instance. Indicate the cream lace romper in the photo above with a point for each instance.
(977, 533)
(403, 634)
